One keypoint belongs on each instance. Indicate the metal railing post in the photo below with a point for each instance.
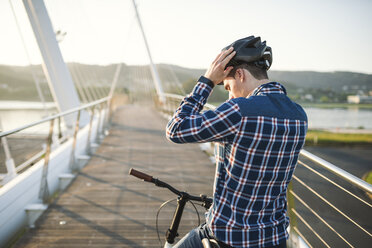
(98, 132)
(44, 191)
(88, 146)
(110, 104)
(72, 164)
(107, 116)
(59, 128)
(55, 139)
(168, 106)
(9, 162)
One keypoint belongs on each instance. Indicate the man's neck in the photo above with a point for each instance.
(257, 83)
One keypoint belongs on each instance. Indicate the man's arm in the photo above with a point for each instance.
(189, 125)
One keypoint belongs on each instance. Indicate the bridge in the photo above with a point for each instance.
(76, 191)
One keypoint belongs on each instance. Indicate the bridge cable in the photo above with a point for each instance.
(319, 217)
(329, 180)
(330, 204)
(92, 95)
(81, 90)
(308, 226)
(80, 80)
(176, 80)
(33, 74)
(95, 82)
(120, 65)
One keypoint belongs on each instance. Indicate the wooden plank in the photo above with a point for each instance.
(105, 207)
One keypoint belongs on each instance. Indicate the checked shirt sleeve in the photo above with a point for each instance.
(189, 125)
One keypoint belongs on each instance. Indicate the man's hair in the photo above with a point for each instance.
(257, 72)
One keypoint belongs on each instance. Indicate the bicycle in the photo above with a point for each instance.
(183, 198)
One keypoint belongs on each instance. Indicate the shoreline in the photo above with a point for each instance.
(344, 130)
(336, 138)
(364, 106)
(26, 105)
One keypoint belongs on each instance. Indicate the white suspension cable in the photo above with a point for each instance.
(303, 237)
(33, 74)
(119, 66)
(154, 72)
(329, 180)
(83, 82)
(84, 94)
(93, 78)
(318, 216)
(331, 205)
(308, 226)
(176, 80)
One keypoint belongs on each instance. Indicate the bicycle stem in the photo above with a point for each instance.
(172, 232)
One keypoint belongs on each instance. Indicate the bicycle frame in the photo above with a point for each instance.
(183, 198)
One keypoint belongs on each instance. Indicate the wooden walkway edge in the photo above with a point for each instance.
(105, 207)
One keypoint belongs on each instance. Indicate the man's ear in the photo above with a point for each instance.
(240, 74)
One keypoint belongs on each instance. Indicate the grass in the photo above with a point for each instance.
(319, 137)
(368, 178)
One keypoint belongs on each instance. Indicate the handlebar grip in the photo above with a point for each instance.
(140, 175)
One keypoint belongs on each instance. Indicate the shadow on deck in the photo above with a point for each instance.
(105, 207)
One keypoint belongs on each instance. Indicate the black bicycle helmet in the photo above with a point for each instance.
(251, 50)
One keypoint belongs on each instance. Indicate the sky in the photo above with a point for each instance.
(316, 35)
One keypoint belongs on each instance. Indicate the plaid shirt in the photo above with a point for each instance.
(258, 140)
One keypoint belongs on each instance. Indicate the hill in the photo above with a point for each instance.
(16, 82)
(338, 81)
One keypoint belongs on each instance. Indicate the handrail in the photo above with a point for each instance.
(179, 97)
(173, 95)
(6, 133)
(339, 172)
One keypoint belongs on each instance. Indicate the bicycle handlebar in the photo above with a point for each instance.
(183, 198)
(157, 182)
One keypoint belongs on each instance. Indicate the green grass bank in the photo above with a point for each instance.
(325, 138)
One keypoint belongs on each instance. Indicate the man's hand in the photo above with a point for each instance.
(216, 72)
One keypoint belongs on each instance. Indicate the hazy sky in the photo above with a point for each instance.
(320, 35)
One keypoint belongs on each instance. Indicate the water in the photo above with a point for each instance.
(339, 118)
(14, 114)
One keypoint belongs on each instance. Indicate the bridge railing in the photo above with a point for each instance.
(56, 136)
(328, 206)
(25, 196)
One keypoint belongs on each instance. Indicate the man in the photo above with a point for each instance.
(259, 133)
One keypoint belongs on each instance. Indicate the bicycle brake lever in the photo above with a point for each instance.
(207, 202)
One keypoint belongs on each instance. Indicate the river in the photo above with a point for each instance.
(15, 114)
(351, 118)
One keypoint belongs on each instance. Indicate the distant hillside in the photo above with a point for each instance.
(324, 80)
(16, 82)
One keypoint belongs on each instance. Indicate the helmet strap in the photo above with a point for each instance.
(262, 64)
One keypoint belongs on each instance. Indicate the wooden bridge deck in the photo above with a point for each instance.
(105, 207)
